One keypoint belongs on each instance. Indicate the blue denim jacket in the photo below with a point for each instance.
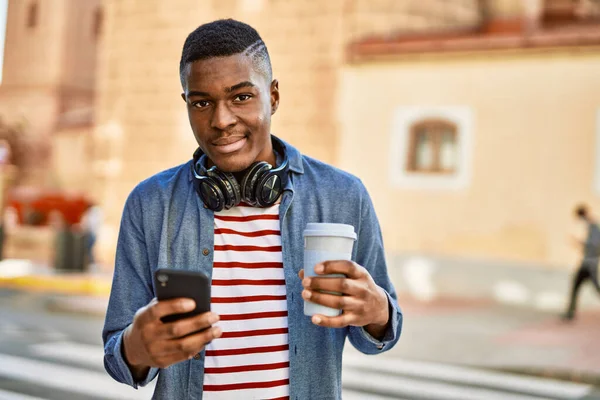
(164, 224)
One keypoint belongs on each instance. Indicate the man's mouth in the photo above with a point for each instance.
(229, 144)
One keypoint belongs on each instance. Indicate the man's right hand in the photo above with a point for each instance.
(149, 342)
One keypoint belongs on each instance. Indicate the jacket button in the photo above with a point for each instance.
(196, 356)
(205, 252)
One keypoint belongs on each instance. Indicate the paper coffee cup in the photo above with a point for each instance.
(325, 242)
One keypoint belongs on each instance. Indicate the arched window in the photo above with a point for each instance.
(433, 147)
(97, 22)
(32, 15)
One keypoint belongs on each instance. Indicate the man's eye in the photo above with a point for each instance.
(242, 97)
(200, 104)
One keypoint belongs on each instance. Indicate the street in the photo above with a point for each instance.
(57, 356)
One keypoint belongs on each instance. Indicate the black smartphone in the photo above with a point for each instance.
(174, 283)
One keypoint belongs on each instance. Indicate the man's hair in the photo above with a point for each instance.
(222, 38)
(581, 211)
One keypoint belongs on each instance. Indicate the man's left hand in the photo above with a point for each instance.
(362, 301)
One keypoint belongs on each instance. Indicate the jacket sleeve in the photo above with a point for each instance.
(131, 290)
(370, 254)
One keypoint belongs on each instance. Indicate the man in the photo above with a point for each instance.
(588, 270)
(237, 212)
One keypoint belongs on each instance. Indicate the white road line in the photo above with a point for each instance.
(469, 376)
(419, 389)
(70, 379)
(352, 395)
(6, 395)
(84, 354)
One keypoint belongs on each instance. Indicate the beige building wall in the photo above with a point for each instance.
(32, 55)
(141, 122)
(49, 70)
(534, 121)
(71, 163)
(32, 65)
(142, 126)
(59, 52)
(389, 17)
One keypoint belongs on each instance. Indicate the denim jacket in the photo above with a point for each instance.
(165, 224)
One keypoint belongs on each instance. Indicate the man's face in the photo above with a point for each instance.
(230, 103)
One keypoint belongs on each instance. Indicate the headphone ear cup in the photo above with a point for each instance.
(229, 185)
(268, 189)
(250, 179)
(210, 193)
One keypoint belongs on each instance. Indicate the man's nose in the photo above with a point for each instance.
(223, 118)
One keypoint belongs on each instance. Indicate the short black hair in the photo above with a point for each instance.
(581, 211)
(222, 38)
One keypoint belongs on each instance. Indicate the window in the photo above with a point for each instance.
(562, 12)
(97, 23)
(433, 147)
(32, 15)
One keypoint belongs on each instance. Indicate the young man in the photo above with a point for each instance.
(588, 270)
(237, 212)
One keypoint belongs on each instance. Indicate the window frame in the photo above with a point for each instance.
(438, 128)
(403, 119)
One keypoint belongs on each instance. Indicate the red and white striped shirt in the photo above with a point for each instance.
(251, 359)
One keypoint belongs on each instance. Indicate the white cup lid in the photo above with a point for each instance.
(327, 229)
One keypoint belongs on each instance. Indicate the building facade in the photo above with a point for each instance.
(474, 124)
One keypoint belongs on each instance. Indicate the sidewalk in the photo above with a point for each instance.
(23, 274)
(81, 292)
(486, 334)
(472, 332)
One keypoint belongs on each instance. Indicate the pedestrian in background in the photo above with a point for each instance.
(90, 224)
(588, 269)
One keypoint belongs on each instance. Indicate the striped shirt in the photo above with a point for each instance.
(251, 359)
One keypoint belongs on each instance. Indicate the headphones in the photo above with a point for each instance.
(261, 185)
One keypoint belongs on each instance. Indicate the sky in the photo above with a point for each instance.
(3, 6)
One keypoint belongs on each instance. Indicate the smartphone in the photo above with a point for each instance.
(174, 283)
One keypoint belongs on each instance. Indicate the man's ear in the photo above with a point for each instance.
(274, 96)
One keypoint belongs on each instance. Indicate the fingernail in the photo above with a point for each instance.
(306, 294)
(189, 304)
(306, 282)
(216, 331)
(213, 318)
(319, 268)
(316, 320)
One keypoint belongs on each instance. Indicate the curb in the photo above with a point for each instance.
(87, 285)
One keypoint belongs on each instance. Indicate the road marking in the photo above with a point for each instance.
(6, 395)
(352, 395)
(420, 389)
(469, 376)
(84, 354)
(68, 378)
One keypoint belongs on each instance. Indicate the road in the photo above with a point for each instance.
(56, 356)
